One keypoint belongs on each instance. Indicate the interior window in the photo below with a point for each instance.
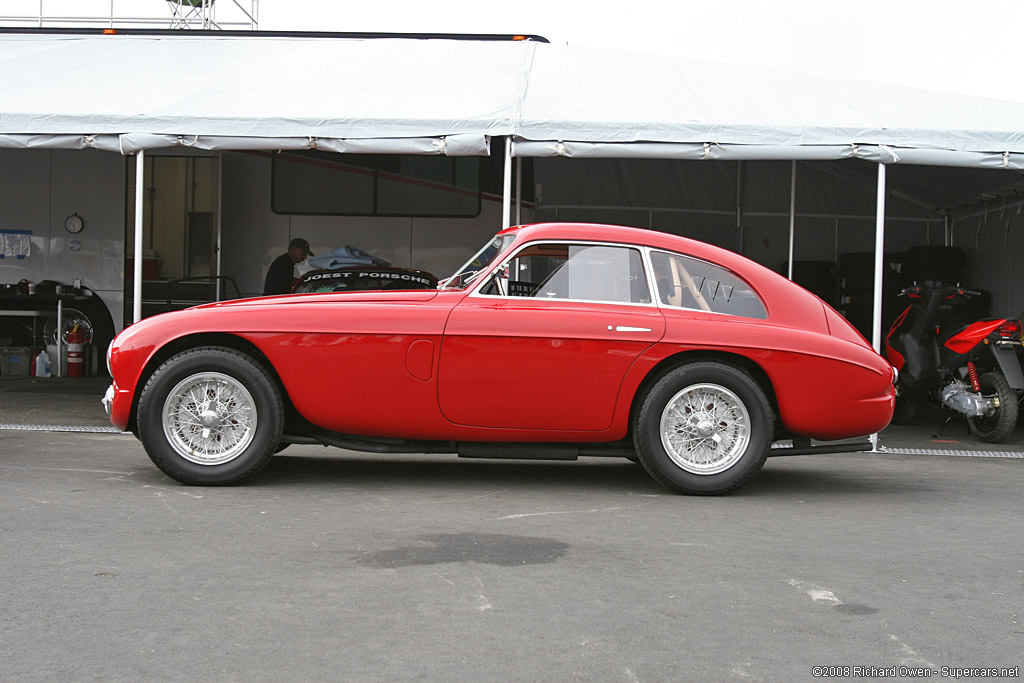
(316, 182)
(687, 282)
(581, 272)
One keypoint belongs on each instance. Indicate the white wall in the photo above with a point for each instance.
(253, 235)
(38, 190)
(994, 243)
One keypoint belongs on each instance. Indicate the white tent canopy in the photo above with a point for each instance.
(134, 92)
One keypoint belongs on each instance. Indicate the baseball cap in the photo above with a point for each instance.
(302, 244)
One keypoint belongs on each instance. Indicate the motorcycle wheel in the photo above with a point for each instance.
(1000, 424)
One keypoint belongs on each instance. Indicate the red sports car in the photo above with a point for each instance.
(554, 341)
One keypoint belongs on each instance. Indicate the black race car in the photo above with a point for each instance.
(357, 278)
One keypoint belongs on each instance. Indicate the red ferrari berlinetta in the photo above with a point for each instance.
(554, 341)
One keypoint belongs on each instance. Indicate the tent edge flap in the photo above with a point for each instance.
(884, 154)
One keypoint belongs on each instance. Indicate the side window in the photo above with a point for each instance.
(582, 272)
(691, 283)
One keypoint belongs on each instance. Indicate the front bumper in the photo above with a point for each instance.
(108, 399)
(118, 404)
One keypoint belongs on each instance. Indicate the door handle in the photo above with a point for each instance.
(626, 328)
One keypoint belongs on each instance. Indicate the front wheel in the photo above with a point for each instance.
(997, 426)
(704, 428)
(210, 416)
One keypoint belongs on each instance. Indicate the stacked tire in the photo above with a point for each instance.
(946, 265)
(857, 290)
(818, 277)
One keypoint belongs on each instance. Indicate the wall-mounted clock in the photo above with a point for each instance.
(74, 224)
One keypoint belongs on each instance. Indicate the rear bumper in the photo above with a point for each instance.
(844, 419)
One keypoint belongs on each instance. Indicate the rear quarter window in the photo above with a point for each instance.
(687, 282)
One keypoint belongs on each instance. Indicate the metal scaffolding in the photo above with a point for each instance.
(185, 14)
(201, 14)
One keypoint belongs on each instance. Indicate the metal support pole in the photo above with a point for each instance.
(519, 191)
(60, 335)
(506, 190)
(876, 314)
(220, 215)
(140, 181)
(876, 317)
(792, 215)
(739, 205)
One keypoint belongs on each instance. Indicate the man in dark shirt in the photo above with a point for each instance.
(279, 275)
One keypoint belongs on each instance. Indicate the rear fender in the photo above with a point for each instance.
(972, 335)
(1009, 364)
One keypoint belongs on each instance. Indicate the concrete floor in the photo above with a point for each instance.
(332, 565)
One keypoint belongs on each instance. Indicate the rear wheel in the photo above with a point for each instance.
(704, 428)
(996, 427)
(210, 416)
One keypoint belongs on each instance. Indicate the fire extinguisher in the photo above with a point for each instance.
(76, 352)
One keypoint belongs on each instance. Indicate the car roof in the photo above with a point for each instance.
(599, 232)
(787, 302)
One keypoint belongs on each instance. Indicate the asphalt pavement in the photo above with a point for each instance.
(331, 565)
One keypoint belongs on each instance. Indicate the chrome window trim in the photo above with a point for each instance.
(644, 260)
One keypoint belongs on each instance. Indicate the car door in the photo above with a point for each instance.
(546, 345)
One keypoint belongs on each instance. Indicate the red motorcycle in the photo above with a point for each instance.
(973, 370)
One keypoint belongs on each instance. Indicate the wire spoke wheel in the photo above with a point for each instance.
(209, 418)
(705, 429)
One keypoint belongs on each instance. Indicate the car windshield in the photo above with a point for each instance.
(476, 265)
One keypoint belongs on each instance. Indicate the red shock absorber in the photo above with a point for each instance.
(972, 371)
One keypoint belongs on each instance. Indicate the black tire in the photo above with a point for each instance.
(932, 262)
(211, 444)
(719, 386)
(1000, 424)
(905, 410)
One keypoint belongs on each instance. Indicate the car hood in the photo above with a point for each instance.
(323, 298)
(288, 313)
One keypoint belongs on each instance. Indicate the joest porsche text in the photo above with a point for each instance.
(383, 276)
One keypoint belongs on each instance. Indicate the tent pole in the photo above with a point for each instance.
(739, 203)
(876, 317)
(519, 190)
(220, 214)
(506, 189)
(792, 215)
(140, 181)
